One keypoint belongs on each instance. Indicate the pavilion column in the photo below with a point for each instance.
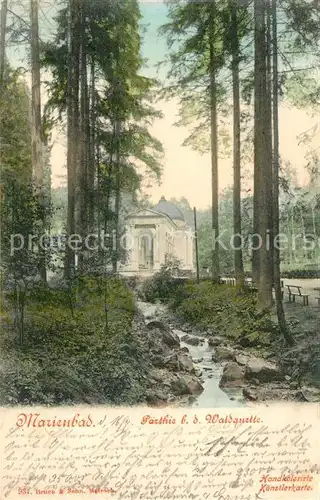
(136, 250)
(156, 248)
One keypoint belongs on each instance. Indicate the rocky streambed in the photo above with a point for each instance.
(191, 368)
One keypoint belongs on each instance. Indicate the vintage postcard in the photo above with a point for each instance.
(160, 249)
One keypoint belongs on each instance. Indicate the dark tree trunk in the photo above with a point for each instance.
(263, 168)
(214, 150)
(238, 259)
(276, 251)
(37, 156)
(72, 133)
(115, 253)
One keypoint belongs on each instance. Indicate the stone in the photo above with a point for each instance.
(294, 385)
(232, 375)
(169, 338)
(224, 353)
(186, 384)
(242, 359)
(255, 381)
(249, 394)
(157, 360)
(171, 362)
(184, 349)
(214, 341)
(185, 363)
(156, 375)
(190, 339)
(197, 360)
(262, 370)
(310, 394)
(197, 371)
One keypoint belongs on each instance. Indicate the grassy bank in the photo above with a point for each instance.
(75, 350)
(223, 311)
(220, 309)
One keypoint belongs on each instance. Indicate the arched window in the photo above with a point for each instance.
(146, 251)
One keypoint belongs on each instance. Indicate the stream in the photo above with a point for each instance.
(212, 396)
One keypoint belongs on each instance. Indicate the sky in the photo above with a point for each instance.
(186, 173)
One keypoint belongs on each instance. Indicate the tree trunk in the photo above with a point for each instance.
(98, 201)
(276, 251)
(91, 158)
(263, 168)
(115, 243)
(36, 136)
(257, 146)
(3, 27)
(238, 259)
(84, 145)
(214, 150)
(72, 133)
(269, 130)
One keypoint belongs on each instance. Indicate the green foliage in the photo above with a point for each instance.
(21, 212)
(223, 309)
(67, 356)
(188, 34)
(120, 91)
(164, 284)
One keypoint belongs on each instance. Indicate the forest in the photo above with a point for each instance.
(227, 62)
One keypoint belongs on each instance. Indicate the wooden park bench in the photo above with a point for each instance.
(297, 293)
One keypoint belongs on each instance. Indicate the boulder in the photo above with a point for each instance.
(157, 360)
(156, 375)
(184, 349)
(185, 363)
(171, 362)
(223, 353)
(190, 339)
(197, 360)
(232, 375)
(249, 394)
(214, 341)
(197, 371)
(242, 359)
(213, 332)
(186, 384)
(262, 370)
(310, 394)
(170, 338)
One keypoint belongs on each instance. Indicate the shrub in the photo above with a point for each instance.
(164, 284)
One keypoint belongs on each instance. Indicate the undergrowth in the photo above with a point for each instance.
(74, 349)
(225, 311)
